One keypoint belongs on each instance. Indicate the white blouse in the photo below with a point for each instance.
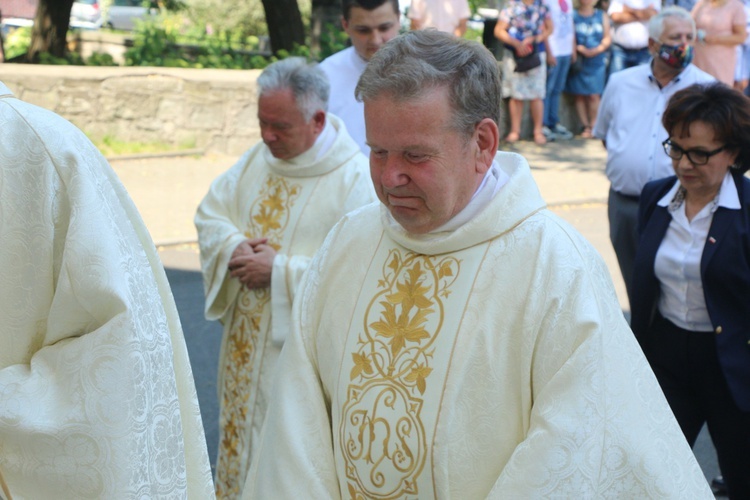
(678, 260)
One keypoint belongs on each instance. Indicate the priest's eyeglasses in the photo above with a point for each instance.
(696, 156)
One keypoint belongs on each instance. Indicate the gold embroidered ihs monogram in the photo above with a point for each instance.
(382, 434)
(269, 218)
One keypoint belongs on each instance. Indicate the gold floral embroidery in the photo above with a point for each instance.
(383, 438)
(236, 408)
(270, 213)
(269, 217)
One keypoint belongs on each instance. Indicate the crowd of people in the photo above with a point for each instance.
(577, 48)
(417, 325)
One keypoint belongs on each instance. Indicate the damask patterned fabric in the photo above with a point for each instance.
(97, 398)
(488, 362)
(294, 204)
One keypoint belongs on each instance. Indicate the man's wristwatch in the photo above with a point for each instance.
(701, 36)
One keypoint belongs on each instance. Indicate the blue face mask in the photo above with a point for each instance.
(676, 56)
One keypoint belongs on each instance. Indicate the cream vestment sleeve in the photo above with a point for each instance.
(97, 398)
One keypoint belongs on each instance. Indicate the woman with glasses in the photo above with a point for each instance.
(690, 299)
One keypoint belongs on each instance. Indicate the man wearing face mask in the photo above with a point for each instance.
(629, 124)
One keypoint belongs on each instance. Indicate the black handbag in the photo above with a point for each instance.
(577, 66)
(527, 62)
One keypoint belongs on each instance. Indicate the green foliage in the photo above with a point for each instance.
(168, 43)
(241, 19)
(196, 34)
(70, 59)
(153, 46)
(17, 42)
(473, 34)
(100, 59)
(111, 146)
(333, 39)
(475, 4)
(75, 59)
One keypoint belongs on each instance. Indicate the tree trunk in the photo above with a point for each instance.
(285, 29)
(325, 22)
(50, 30)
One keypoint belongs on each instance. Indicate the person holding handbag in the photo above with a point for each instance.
(523, 26)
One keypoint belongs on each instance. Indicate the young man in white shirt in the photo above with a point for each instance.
(369, 24)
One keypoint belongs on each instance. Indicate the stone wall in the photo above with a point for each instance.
(213, 110)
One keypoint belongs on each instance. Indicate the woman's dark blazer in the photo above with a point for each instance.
(725, 272)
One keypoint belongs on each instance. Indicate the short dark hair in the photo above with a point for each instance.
(346, 6)
(724, 109)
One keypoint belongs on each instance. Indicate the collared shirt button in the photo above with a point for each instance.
(718, 330)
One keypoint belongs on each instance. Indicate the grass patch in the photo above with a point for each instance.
(111, 146)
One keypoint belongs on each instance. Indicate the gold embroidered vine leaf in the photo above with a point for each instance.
(274, 202)
(401, 330)
(411, 292)
(394, 263)
(418, 375)
(361, 364)
(445, 270)
(267, 220)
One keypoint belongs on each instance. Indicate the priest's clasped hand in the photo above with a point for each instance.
(252, 262)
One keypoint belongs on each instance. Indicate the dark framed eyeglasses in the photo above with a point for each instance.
(695, 156)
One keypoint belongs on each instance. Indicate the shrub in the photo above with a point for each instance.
(17, 42)
(100, 59)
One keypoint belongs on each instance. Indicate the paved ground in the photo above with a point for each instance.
(167, 191)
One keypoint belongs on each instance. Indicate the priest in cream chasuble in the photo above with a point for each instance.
(460, 341)
(97, 398)
(281, 199)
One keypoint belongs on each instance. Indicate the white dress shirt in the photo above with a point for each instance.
(343, 70)
(678, 260)
(629, 121)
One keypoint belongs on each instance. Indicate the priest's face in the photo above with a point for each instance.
(370, 29)
(423, 170)
(283, 127)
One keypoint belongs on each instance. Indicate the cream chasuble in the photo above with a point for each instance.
(491, 361)
(97, 399)
(294, 204)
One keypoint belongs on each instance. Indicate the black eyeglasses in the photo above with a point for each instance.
(696, 156)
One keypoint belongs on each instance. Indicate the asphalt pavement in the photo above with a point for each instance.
(167, 191)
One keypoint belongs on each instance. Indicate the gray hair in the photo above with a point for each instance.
(656, 23)
(307, 82)
(416, 62)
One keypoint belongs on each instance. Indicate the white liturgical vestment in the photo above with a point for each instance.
(491, 361)
(294, 204)
(97, 398)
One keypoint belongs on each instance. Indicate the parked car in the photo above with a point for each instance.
(86, 14)
(122, 14)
